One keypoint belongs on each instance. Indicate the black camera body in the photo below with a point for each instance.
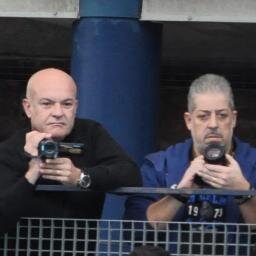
(214, 153)
(50, 149)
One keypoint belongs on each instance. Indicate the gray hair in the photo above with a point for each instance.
(209, 83)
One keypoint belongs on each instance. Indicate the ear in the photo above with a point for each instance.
(188, 120)
(26, 106)
(76, 106)
(234, 118)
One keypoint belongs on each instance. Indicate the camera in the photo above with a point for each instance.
(49, 148)
(214, 153)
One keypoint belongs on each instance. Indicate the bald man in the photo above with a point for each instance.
(50, 105)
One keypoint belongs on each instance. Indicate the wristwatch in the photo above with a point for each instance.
(180, 197)
(242, 199)
(84, 180)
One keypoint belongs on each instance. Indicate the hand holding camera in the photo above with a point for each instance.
(214, 153)
(33, 138)
(56, 167)
(61, 170)
(223, 172)
(49, 158)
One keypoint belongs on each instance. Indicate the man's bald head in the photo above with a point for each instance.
(46, 77)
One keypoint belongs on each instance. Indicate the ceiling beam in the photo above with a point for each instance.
(39, 9)
(198, 10)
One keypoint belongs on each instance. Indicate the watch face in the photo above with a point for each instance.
(85, 181)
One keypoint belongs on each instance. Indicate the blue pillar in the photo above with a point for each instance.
(115, 63)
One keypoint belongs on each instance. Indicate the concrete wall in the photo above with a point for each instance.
(198, 10)
(39, 9)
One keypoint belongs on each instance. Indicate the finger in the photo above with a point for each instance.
(51, 172)
(42, 136)
(230, 159)
(56, 165)
(200, 157)
(208, 174)
(215, 168)
(216, 182)
(61, 179)
(52, 167)
(212, 183)
(55, 172)
(56, 161)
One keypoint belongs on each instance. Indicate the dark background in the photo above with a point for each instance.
(188, 50)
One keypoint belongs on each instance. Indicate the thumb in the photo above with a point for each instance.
(230, 159)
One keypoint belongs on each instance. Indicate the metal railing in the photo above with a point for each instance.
(52, 237)
(80, 237)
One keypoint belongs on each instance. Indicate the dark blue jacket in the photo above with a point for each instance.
(164, 168)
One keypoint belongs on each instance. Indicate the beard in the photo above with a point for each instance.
(200, 146)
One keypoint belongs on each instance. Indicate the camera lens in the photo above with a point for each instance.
(48, 149)
(215, 154)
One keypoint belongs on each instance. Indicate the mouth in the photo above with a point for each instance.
(213, 137)
(57, 124)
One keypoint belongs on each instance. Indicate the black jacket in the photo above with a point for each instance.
(105, 161)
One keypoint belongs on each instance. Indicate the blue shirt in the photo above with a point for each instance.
(165, 168)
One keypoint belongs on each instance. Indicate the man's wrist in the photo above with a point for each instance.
(239, 200)
(181, 198)
(32, 174)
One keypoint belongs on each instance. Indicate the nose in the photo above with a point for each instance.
(213, 121)
(57, 110)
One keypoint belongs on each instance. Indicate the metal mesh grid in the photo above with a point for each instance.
(57, 237)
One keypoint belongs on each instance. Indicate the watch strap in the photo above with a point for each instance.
(242, 199)
(180, 197)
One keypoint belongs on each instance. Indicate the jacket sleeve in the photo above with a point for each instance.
(13, 203)
(136, 205)
(112, 167)
(15, 190)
